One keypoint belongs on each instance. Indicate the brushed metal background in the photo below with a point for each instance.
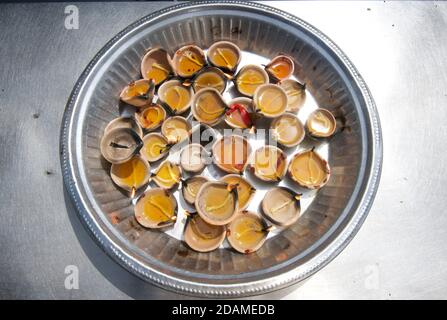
(400, 50)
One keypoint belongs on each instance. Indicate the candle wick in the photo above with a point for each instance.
(117, 145)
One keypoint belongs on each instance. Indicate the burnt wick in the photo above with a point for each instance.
(117, 145)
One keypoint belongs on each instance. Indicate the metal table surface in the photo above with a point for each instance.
(400, 48)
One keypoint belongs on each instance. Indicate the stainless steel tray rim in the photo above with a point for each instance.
(127, 260)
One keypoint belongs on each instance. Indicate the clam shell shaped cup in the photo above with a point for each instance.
(280, 67)
(191, 186)
(224, 55)
(210, 77)
(139, 93)
(193, 157)
(132, 174)
(288, 130)
(309, 169)
(216, 202)
(321, 123)
(188, 61)
(176, 129)
(156, 208)
(269, 163)
(151, 117)
(249, 78)
(208, 106)
(156, 65)
(156, 146)
(247, 232)
(281, 206)
(270, 100)
(175, 96)
(237, 118)
(120, 144)
(168, 175)
(245, 190)
(231, 153)
(202, 236)
(296, 94)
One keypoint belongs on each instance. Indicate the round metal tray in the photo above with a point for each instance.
(332, 216)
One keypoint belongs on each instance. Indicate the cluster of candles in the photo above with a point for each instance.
(192, 81)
